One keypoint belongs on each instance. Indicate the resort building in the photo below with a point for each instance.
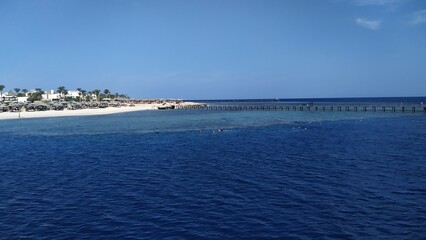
(73, 94)
(8, 98)
(22, 99)
(51, 96)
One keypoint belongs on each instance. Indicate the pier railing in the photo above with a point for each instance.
(332, 108)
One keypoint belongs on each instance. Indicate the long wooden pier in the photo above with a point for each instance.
(332, 108)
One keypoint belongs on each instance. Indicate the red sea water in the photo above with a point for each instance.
(214, 175)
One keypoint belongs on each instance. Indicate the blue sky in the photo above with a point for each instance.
(214, 49)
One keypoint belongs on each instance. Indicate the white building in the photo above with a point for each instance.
(8, 98)
(51, 96)
(73, 94)
(22, 99)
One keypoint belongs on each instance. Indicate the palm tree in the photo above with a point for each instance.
(36, 96)
(23, 93)
(63, 91)
(17, 90)
(89, 96)
(80, 94)
(39, 90)
(107, 92)
(83, 93)
(96, 92)
(1, 89)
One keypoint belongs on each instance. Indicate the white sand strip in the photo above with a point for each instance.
(81, 112)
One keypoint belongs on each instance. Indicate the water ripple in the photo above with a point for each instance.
(340, 179)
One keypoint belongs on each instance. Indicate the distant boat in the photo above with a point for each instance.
(164, 107)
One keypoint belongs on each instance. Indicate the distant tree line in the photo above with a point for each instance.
(83, 95)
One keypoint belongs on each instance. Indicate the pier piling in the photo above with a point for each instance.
(324, 108)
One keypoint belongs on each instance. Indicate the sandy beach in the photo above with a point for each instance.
(80, 112)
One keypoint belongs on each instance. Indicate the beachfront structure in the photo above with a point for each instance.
(73, 94)
(51, 96)
(6, 97)
(10, 97)
(22, 99)
(55, 95)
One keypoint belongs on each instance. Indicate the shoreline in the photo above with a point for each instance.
(82, 112)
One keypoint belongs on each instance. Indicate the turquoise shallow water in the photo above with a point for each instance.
(175, 121)
(215, 175)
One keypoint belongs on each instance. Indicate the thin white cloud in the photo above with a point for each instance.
(380, 2)
(370, 24)
(418, 17)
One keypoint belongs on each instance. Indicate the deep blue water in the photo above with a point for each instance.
(214, 175)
